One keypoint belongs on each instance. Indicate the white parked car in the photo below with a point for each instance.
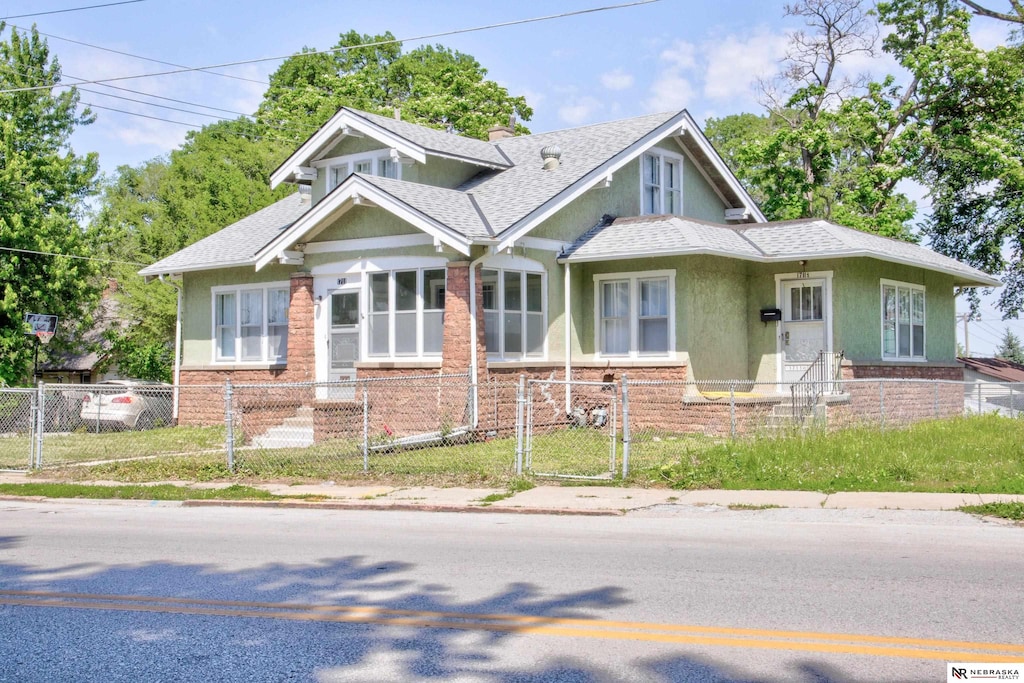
(128, 404)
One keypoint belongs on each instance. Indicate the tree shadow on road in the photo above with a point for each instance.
(231, 627)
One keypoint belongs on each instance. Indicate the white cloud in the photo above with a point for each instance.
(682, 55)
(734, 64)
(670, 91)
(618, 79)
(579, 112)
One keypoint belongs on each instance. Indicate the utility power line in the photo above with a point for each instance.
(84, 258)
(134, 56)
(347, 48)
(72, 9)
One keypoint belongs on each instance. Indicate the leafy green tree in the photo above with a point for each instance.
(432, 85)
(970, 120)
(42, 187)
(1010, 348)
(829, 146)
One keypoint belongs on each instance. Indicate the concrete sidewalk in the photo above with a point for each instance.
(583, 500)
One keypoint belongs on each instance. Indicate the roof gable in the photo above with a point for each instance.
(408, 139)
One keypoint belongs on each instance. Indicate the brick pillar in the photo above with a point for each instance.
(301, 362)
(456, 349)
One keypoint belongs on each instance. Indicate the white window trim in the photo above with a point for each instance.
(373, 156)
(237, 290)
(662, 155)
(367, 313)
(504, 263)
(881, 318)
(634, 313)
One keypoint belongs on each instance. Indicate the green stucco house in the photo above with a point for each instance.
(620, 247)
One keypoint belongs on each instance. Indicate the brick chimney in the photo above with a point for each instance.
(500, 133)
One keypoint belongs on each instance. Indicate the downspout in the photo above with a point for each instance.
(177, 347)
(473, 360)
(568, 343)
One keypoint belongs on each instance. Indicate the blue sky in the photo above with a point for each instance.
(671, 54)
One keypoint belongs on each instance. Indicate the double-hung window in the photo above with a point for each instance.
(662, 174)
(635, 314)
(513, 302)
(903, 321)
(251, 323)
(406, 312)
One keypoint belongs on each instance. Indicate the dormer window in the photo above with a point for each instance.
(377, 162)
(662, 174)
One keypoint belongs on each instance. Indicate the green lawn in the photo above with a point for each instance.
(974, 454)
(137, 492)
(64, 448)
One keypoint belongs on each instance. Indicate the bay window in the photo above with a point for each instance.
(251, 323)
(903, 321)
(406, 312)
(378, 163)
(513, 302)
(635, 314)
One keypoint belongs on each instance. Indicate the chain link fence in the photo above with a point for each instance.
(445, 429)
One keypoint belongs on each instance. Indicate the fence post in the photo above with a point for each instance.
(40, 425)
(881, 403)
(366, 429)
(1012, 412)
(520, 400)
(979, 398)
(935, 401)
(732, 410)
(229, 423)
(626, 442)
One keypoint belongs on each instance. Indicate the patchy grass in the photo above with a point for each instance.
(751, 506)
(1014, 511)
(76, 447)
(983, 454)
(137, 492)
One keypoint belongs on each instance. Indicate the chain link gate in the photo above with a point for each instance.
(579, 443)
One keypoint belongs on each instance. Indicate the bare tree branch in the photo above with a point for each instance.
(981, 11)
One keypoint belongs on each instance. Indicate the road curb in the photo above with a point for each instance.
(402, 507)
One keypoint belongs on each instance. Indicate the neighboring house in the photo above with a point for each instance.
(996, 385)
(621, 247)
(82, 366)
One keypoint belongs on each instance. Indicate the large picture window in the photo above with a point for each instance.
(513, 303)
(903, 321)
(251, 323)
(406, 312)
(662, 183)
(634, 314)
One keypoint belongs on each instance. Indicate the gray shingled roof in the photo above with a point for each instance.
(237, 244)
(450, 207)
(510, 195)
(438, 141)
(783, 241)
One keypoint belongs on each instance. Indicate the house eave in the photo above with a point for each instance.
(960, 279)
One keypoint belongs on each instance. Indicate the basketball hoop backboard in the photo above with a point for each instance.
(41, 322)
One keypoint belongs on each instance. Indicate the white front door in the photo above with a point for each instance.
(343, 339)
(803, 332)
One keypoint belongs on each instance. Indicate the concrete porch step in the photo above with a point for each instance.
(293, 432)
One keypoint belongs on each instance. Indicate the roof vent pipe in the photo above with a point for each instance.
(551, 156)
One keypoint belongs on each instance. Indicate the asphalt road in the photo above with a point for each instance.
(100, 592)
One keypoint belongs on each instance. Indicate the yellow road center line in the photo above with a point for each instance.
(748, 638)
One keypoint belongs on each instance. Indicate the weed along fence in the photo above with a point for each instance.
(444, 428)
